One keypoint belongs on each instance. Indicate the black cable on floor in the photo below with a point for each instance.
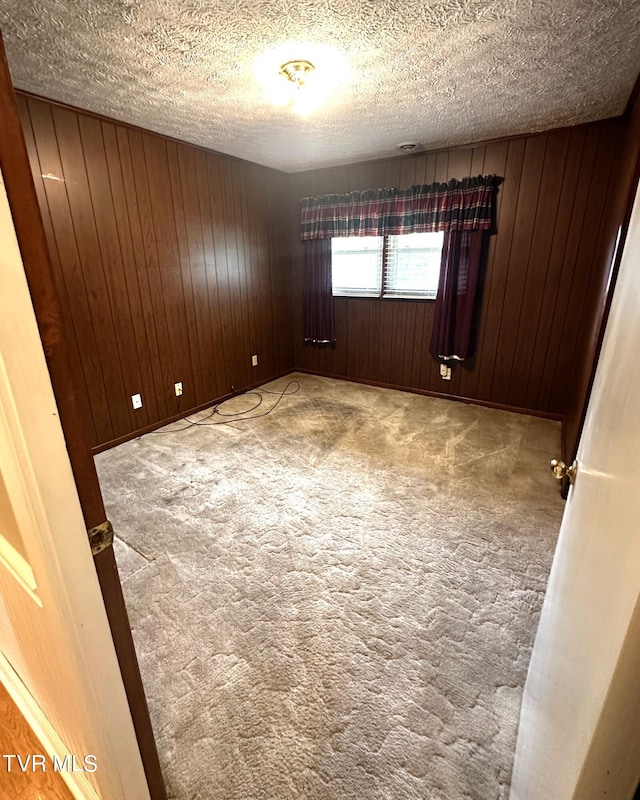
(281, 395)
(246, 411)
(237, 416)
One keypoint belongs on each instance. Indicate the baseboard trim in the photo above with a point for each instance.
(182, 414)
(441, 395)
(77, 782)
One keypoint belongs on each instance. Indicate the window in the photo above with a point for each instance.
(356, 266)
(406, 266)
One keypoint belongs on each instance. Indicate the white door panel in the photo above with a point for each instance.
(56, 652)
(578, 739)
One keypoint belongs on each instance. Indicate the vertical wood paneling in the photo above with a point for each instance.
(102, 207)
(588, 275)
(155, 402)
(73, 352)
(166, 358)
(560, 335)
(192, 383)
(537, 266)
(170, 264)
(397, 335)
(372, 311)
(210, 293)
(222, 265)
(619, 204)
(427, 366)
(81, 313)
(418, 342)
(494, 298)
(269, 286)
(163, 244)
(408, 345)
(92, 265)
(545, 263)
(538, 366)
(139, 375)
(515, 264)
(240, 176)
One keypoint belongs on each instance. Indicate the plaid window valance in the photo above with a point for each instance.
(466, 205)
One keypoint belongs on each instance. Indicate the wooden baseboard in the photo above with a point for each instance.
(427, 393)
(77, 782)
(182, 414)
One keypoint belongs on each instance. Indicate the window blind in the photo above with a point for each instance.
(412, 265)
(356, 264)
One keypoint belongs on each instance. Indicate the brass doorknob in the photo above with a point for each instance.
(560, 470)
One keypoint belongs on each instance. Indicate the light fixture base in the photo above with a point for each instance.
(297, 71)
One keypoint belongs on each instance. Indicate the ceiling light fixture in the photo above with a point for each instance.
(302, 84)
(408, 147)
(297, 71)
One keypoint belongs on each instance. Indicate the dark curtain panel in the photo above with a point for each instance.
(453, 335)
(319, 322)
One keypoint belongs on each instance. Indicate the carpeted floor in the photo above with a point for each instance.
(336, 601)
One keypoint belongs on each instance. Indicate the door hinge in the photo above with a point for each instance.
(100, 537)
(560, 470)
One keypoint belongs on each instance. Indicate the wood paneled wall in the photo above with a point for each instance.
(547, 263)
(171, 265)
(589, 337)
(174, 263)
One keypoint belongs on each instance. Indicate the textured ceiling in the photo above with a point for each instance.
(439, 72)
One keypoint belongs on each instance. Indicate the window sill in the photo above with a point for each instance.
(385, 299)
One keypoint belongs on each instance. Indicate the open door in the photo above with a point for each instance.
(579, 734)
(24, 214)
(57, 658)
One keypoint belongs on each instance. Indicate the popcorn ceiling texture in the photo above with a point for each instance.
(440, 73)
(336, 601)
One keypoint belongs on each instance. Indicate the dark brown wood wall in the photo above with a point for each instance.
(589, 336)
(546, 265)
(171, 265)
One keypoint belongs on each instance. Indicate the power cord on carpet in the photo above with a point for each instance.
(237, 416)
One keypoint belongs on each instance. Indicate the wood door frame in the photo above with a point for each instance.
(14, 162)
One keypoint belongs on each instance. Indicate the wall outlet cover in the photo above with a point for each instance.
(136, 400)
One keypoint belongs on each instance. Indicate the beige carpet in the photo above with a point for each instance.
(336, 601)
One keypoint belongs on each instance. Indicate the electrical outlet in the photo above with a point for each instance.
(445, 372)
(254, 361)
(136, 400)
(178, 388)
